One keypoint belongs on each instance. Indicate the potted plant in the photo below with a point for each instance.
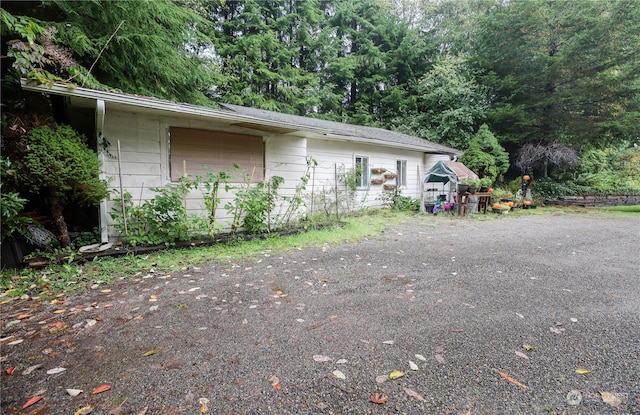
(473, 184)
(485, 184)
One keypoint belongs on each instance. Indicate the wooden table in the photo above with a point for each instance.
(484, 200)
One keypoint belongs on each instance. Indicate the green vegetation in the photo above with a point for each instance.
(57, 164)
(73, 276)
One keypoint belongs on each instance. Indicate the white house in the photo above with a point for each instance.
(155, 142)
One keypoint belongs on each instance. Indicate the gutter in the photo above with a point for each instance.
(140, 101)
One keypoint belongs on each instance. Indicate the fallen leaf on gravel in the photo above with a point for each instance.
(388, 342)
(556, 330)
(440, 359)
(149, 353)
(339, 374)
(574, 397)
(100, 389)
(31, 401)
(24, 316)
(84, 410)
(320, 358)
(74, 392)
(512, 380)
(56, 370)
(421, 357)
(15, 342)
(611, 399)
(527, 346)
(582, 371)
(341, 361)
(59, 311)
(412, 365)
(382, 378)
(203, 405)
(275, 382)
(31, 369)
(396, 374)
(522, 355)
(378, 398)
(413, 394)
(10, 370)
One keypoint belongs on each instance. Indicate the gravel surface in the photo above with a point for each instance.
(481, 316)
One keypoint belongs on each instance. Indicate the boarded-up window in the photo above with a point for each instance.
(199, 150)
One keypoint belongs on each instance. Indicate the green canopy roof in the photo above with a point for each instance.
(446, 171)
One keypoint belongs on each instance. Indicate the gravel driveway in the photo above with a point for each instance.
(529, 315)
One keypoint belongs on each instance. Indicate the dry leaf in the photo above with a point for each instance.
(24, 316)
(31, 401)
(388, 342)
(320, 358)
(582, 371)
(15, 342)
(527, 346)
(396, 374)
(203, 405)
(378, 398)
(74, 392)
(611, 399)
(556, 330)
(382, 378)
(339, 374)
(84, 410)
(341, 361)
(59, 311)
(574, 397)
(105, 291)
(421, 357)
(412, 365)
(100, 389)
(149, 353)
(11, 370)
(275, 382)
(56, 370)
(440, 359)
(512, 380)
(522, 355)
(31, 369)
(413, 394)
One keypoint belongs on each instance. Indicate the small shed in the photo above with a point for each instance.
(441, 180)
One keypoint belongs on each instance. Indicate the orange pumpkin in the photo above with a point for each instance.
(526, 178)
(496, 206)
(490, 190)
(510, 204)
(527, 202)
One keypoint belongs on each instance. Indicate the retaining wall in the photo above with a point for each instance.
(594, 201)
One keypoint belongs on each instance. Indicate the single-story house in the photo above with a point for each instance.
(156, 142)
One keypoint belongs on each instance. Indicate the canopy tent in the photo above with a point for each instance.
(448, 174)
(448, 171)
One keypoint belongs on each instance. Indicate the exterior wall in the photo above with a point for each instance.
(144, 153)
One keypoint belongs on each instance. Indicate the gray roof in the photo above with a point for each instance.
(370, 134)
(251, 118)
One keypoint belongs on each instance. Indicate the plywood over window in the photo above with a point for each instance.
(202, 149)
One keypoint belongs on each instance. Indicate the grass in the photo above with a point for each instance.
(59, 279)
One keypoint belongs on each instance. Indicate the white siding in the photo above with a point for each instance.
(144, 143)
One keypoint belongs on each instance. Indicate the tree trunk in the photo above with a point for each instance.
(58, 219)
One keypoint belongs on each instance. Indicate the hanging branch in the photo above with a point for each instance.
(102, 50)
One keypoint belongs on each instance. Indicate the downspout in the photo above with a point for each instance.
(100, 112)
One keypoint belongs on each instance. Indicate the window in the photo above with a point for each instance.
(194, 151)
(402, 172)
(362, 171)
